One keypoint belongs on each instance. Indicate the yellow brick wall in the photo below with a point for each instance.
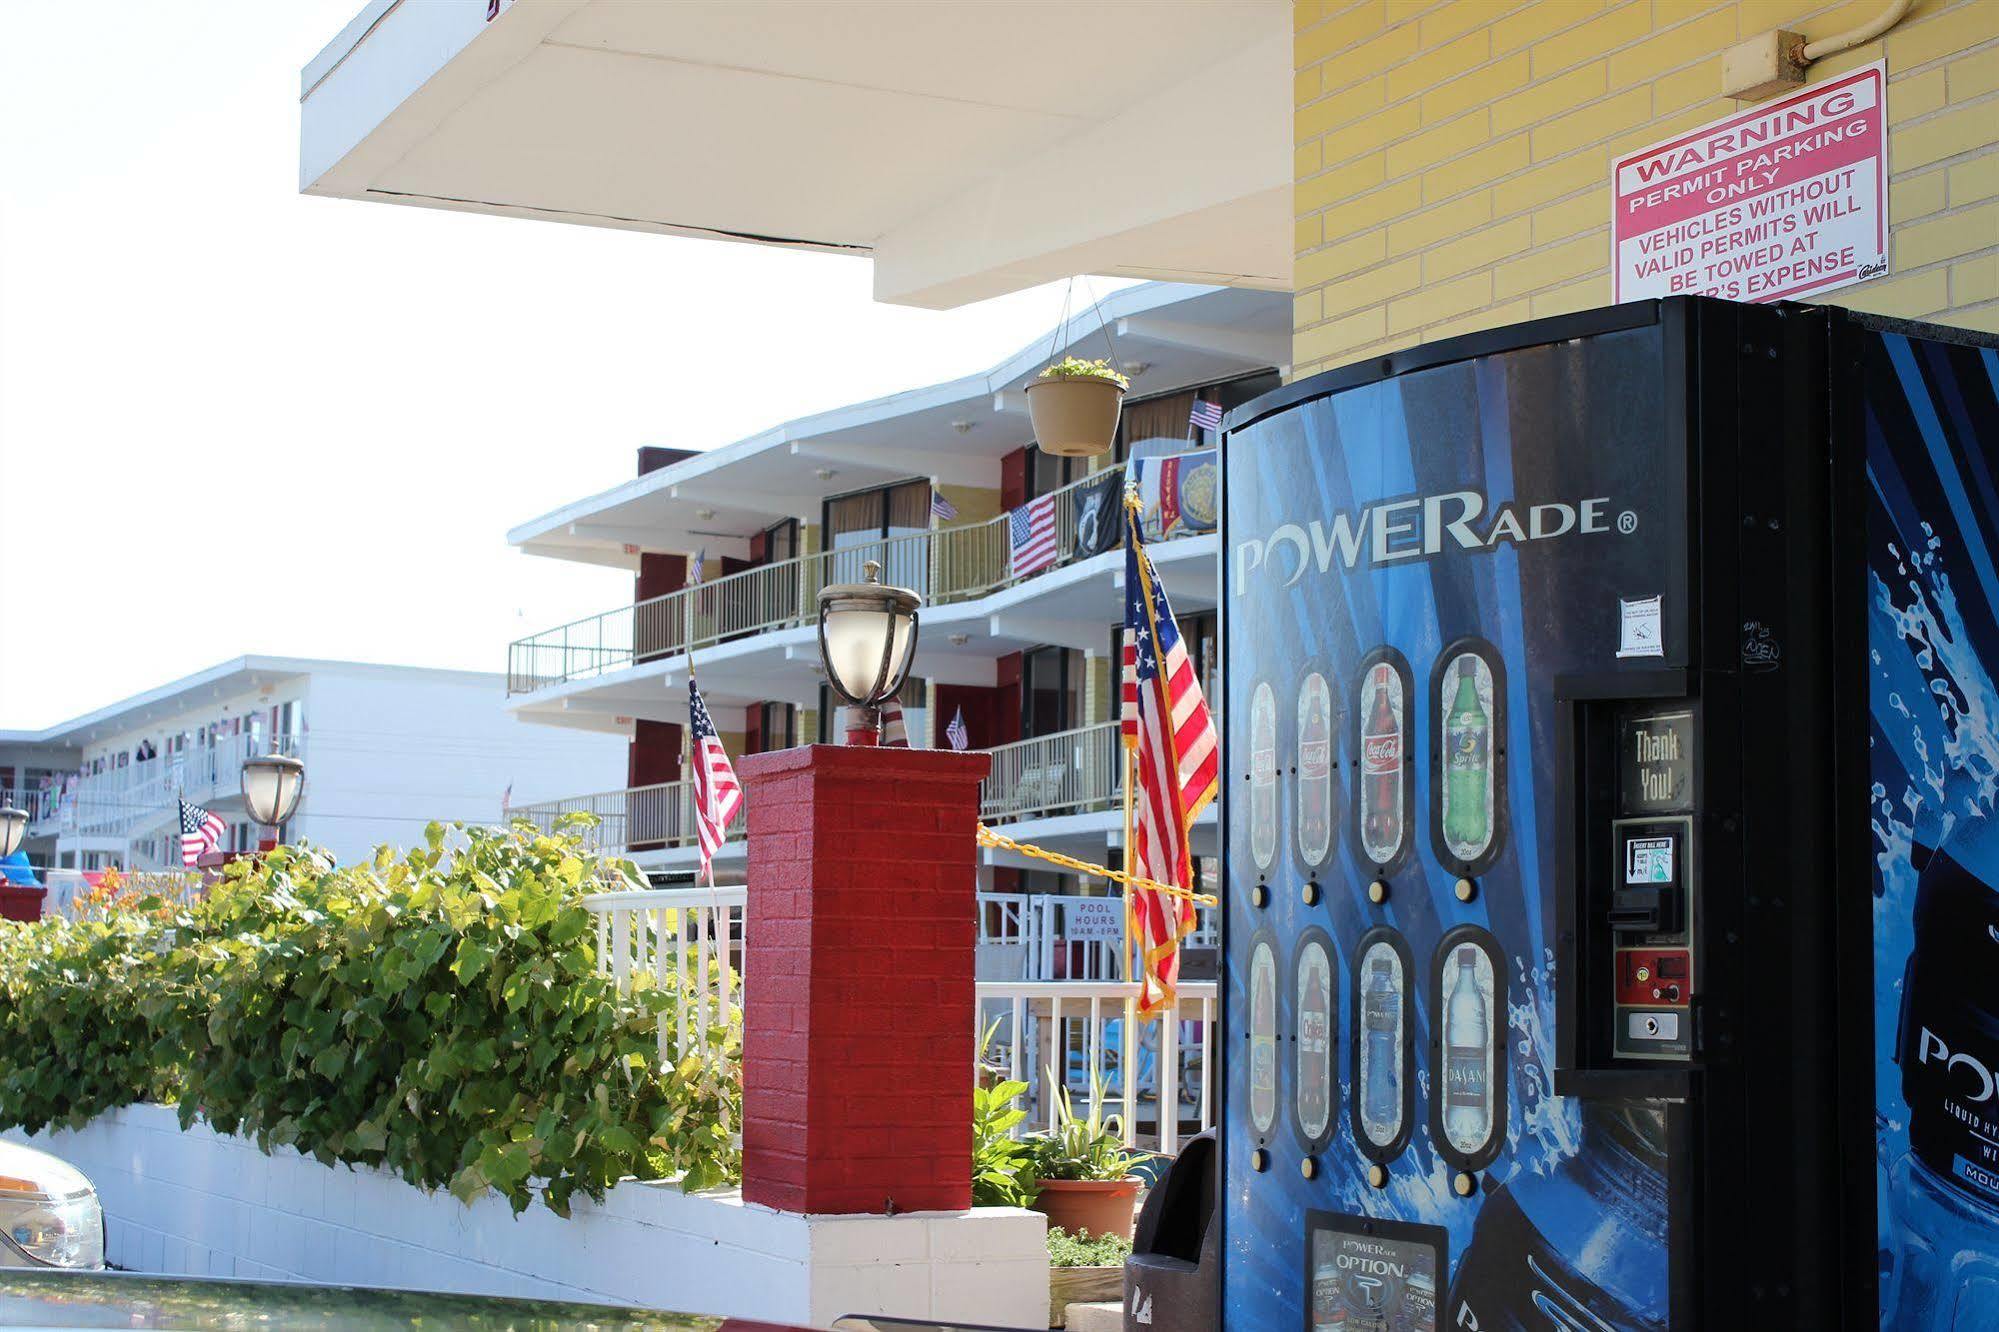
(1453, 156)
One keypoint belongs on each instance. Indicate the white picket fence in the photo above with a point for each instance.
(690, 937)
(1158, 1077)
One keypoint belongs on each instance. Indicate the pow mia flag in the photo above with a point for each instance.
(1100, 515)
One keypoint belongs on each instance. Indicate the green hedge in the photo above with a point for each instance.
(438, 1014)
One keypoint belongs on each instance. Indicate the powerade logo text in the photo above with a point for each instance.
(1424, 525)
(1979, 1087)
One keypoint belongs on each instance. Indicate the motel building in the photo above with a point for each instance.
(1397, 172)
(1017, 644)
(386, 750)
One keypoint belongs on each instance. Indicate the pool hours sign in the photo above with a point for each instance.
(1788, 198)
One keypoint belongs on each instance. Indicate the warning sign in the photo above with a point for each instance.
(1782, 200)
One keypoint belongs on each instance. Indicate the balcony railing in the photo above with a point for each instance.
(638, 818)
(121, 801)
(1069, 772)
(1037, 937)
(946, 565)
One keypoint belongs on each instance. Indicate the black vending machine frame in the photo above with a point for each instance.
(1772, 1198)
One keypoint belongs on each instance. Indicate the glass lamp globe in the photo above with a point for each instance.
(271, 787)
(867, 637)
(13, 827)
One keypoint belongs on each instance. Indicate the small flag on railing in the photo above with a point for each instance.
(941, 509)
(694, 569)
(956, 733)
(1206, 415)
(1030, 535)
(717, 793)
(895, 732)
(507, 801)
(200, 833)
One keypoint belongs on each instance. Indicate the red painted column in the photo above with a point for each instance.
(860, 942)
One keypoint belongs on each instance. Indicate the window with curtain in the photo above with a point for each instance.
(866, 526)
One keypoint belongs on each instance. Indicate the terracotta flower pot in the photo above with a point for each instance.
(1074, 416)
(1100, 1206)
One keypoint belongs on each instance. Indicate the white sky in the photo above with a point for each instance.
(234, 419)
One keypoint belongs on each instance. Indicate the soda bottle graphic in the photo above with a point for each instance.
(1582, 1246)
(1467, 1050)
(1315, 1029)
(1381, 764)
(1263, 776)
(1944, 1191)
(1381, 1038)
(1262, 1038)
(1467, 791)
(1315, 769)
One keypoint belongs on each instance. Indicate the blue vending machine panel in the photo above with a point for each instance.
(1931, 435)
(1410, 561)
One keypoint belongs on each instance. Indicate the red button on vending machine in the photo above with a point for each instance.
(1649, 977)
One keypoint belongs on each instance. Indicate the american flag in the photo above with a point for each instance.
(1177, 763)
(1206, 415)
(200, 833)
(942, 509)
(895, 732)
(699, 563)
(717, 793)
(1030, 534)
(956, 732)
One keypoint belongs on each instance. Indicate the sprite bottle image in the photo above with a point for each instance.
(1467, 756)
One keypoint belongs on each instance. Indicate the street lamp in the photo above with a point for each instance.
(13, 827)
(867, 636)
(271, 787)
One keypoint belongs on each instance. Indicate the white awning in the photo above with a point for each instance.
(972, 148)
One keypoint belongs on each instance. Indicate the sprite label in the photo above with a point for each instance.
(1467, 758)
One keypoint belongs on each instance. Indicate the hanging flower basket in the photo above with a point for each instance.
(1074, 406)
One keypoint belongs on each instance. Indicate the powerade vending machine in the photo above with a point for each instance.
(1612, 763)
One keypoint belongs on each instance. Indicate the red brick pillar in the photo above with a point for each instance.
(859, 1007)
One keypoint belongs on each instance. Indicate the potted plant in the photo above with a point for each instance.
(1083, 1268)
(1074, 406)
(1082, 1171)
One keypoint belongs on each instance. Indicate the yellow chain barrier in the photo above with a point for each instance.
(1001, 842)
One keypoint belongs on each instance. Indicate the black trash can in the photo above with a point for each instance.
(1173, 1279)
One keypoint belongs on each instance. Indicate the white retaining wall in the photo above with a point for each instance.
(202, 1203)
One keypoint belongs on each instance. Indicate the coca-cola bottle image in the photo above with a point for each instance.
(1263, 776)
(1580, 1246)
(1468, 1040)
(1262, 1038)
(1381, 764)
(1943, 1275)
(1315, 1049)
(1315, 769)
(1381, 1048)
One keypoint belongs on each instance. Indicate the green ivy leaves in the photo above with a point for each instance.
(438, 1014)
